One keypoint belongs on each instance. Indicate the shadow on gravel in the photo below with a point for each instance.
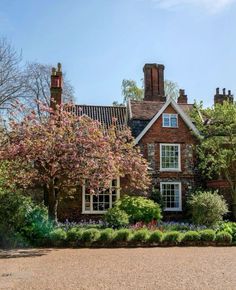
(23, 253)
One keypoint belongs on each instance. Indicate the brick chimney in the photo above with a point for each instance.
(220, 98)
(182, 99)
(56, 87)
(154, 82)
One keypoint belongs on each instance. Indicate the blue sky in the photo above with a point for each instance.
(101, 42)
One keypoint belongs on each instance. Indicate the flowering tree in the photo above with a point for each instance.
(65, 150)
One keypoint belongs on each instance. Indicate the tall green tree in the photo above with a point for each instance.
(217, 151)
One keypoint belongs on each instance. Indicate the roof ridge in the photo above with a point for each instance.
(106, 106)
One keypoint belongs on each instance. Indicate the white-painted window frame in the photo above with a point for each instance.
(91, 211)
(169, 117)
(179, 158)
(180, 195)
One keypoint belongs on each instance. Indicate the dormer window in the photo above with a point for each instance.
(170, 120)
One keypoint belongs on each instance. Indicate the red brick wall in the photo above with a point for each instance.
(71, 208)
(183, 136)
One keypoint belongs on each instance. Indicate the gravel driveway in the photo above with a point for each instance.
(141, 268)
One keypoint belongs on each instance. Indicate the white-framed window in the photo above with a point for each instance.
(172, 196)
(101, 202)
(170, 120)
(170, 157)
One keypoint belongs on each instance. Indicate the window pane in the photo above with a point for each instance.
(170, 193)
(173, 120)
(170, 156)
(170, 120)
(103, 200)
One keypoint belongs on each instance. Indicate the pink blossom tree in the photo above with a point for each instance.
(65, 150)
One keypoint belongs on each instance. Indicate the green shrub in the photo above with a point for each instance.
(229, 227)
(123, 235)
(157, 197)
(207, 208)
(207, 235)
(23, 219)
(155, 237)
(90, 235)
(173, 237)
(106, 235)
(139, 209)
(74, 234)
(58, 237)
(223, 237)
(116, 218)
(140, 236)
(191, 236)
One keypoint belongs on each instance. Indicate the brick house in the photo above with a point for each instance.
(163, 129)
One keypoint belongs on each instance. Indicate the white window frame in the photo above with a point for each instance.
(179, 157)
(91, 211)
(180, 196)
(169, 117)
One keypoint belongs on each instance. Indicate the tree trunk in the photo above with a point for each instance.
(52, 203)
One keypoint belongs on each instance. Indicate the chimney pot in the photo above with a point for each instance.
(183, 98)
(224, 91)
(217, 91)
(59, 67)
(229, 92)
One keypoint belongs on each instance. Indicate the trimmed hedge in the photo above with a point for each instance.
(107, 235)
(58, 237)
(223, 238)
(207, 235)
(191, 236)
(122, 235)
(155, 237)
(140, 236)
(90, 236)
(172, 238)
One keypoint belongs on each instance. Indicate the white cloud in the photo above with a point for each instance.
(212, 6)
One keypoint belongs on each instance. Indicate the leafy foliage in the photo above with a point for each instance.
(157, 197)
(21, 218)
(140, 235)
(217, 151)
(123, 235)
(207, 208)
(191, 236)
(116, 218)
(223, 237)
(106, 235)
(139, 209)
(90, 235)
(173, 237)
(229, 227)
(58, 237)
(74, 234)
(131, 91)
(155, 237)
(207, 235)
(65, 150)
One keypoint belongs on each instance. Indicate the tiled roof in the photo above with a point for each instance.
(145, 110)
(104, 114)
